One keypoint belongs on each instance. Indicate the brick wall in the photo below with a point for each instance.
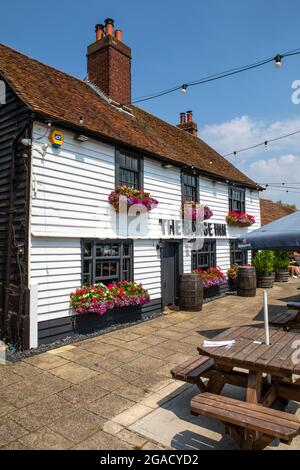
(109, 67)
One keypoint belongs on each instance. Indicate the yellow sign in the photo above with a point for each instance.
(56, 138)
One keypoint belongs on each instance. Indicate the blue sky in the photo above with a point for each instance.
(175, 42)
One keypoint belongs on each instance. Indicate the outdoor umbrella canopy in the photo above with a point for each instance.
(281, 234)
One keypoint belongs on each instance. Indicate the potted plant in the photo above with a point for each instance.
(131, 197)
(214, 282)
(264, 266)
(232, 275)
(281, 265)
(240, 219)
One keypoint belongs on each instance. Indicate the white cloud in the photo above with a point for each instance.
(278, 162)
(284, 169)
(242, 132)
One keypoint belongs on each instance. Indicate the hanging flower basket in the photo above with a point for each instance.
(100, 298)
(237, 219)
(193, 210)
(131, 197)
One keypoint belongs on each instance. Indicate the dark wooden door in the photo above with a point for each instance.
(169, 273)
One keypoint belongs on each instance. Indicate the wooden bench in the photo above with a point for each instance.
(191, 370)
(252, 426)
(293, 305)
(283, 319)
(288, 320)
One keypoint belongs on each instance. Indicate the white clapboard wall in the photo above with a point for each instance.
(70, 188)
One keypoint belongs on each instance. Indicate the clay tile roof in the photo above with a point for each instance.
(271, 211)
(59, 96)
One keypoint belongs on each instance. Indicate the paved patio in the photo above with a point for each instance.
(107, 392)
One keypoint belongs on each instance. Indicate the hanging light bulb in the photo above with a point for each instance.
(278, 63)
(184, 88)
(266, 143)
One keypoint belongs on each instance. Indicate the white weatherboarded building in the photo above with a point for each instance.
(70, 235)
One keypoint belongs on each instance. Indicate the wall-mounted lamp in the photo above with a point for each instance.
(160, 245)
(167, 165)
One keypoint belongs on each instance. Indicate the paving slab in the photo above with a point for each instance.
(103, 441)
(109, 406)
(46, 361)
(78, 426)
(74, 373)
(45, 439)
(41, 413)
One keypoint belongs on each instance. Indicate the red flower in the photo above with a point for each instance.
(121, 292)
(110, 286)
(120, 284)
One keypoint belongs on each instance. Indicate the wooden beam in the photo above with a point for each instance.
(262, 442)
(269, 397)
(288, 391)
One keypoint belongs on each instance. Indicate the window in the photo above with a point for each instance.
(237, 200)
(107, 262)
(128, 170)
(190, 187)
(237, 256)
(206, 257)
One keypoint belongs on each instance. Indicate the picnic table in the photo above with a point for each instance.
(268, 375)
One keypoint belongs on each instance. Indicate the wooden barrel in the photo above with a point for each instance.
(266, 281)
(282, 275)
(190, 292)
(246, 281)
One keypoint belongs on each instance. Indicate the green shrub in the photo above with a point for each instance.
(281, 259)
(264, 262)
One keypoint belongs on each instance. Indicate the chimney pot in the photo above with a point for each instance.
(118, 35)
(99, 31)
(182, 118)
(109, 27)
(109, 63)
(189, 116)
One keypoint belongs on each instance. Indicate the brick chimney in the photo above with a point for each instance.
(109, 63)
(187, 123)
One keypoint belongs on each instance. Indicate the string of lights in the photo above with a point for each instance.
(278, 184)
(227, 73)
(265, 143)
(282, 190)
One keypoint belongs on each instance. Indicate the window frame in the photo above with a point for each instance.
(233, 200)
(118, 167)
(211, 252)
(93, 258)
(233, 250)
(184, 185)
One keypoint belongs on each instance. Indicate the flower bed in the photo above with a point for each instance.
(132, 197)
(193, 210)
(242, 219)
(100, 298)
